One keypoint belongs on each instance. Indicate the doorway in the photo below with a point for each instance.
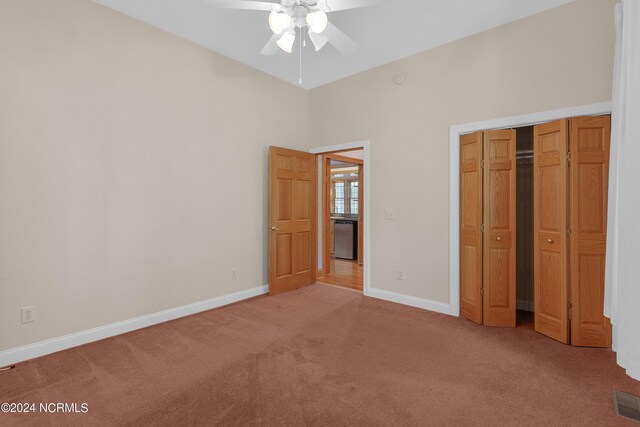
(296, 216)
(361, 265)
(342, 218)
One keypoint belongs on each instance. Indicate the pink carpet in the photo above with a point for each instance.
(322, 356)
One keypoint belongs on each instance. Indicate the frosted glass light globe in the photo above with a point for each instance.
(317, 21)
(286, 41)
(279, 21)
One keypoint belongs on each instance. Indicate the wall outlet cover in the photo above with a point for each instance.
(28, 314)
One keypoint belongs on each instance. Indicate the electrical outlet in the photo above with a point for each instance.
(234, 274)
(29, 314)
(390, 214)
(400, 274)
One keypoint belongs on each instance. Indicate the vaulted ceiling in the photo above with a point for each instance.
(384, 33)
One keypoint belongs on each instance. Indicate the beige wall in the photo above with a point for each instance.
(133, 163)
(132, 168)
(556, 59)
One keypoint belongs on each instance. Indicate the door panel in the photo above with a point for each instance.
(499, 302)
(550, 229)
(589, 171)
(470, 226)
(284, 262)
(292, 232)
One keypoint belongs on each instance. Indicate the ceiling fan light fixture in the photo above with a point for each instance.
(318, 40)
(317, 21)
(279, 21)
(286, 41)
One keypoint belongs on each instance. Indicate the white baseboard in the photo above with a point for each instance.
(525, 305)
(632, 368)
(53, 345)
(633, 371)
(438, 307)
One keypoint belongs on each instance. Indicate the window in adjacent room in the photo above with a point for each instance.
(338, 203)
(353, 196)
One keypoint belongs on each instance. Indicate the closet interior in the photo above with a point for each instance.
(533, 217)
(524, 224)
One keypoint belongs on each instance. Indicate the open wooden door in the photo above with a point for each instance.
(589, 169)
(550, 230)
(500, 228)
(292, 223)
(470, 226)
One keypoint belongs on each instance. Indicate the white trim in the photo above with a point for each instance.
(633, 371)
(367, 201)
(438, 307)
(341, 147)
(53, 345)
(631, 368)
(454, 175)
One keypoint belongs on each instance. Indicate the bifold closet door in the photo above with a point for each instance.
(470, 226)
(589, 171)
(499, 276)
(550, 230)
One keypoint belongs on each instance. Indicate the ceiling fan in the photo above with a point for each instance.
(288, 15)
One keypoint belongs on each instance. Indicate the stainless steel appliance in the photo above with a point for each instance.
(344, 238)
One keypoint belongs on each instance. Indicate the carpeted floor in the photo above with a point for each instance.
(322, 356)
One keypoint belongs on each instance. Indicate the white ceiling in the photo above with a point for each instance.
(384, 33)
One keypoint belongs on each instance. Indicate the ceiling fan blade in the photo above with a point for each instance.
(271, 48)
(318, 40)
(340, 40)
(337, 5)
(245, 5)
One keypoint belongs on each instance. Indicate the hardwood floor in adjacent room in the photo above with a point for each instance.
(345, 273)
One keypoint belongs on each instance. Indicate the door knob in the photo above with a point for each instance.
(549, 240)
(498, 238)
(274, 228)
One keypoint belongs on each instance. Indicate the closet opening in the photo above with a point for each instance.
(533, 224)
(524, 227)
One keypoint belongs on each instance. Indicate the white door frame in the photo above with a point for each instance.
(454, 175)
(367, 201)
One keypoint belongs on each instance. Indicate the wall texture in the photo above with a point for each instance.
(133, 164)
(560, 58)
(132, 168)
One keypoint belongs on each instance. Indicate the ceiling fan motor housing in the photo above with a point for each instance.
(299, 14)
